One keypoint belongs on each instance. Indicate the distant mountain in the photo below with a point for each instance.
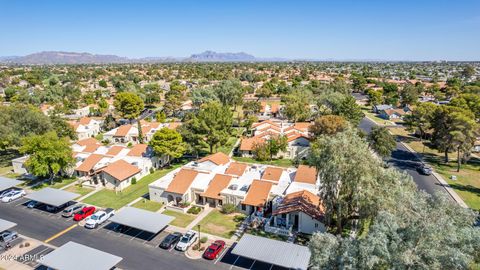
(53, 57)
(211, 56)
(58, 57)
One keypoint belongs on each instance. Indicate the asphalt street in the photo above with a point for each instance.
(406, 161)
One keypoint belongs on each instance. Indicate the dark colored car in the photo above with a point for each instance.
(214, 250)
(171, 240)
(84, 213)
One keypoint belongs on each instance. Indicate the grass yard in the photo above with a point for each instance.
(146, 204)
(181, 219)
(380, 121)
(467, 184)
(220, 224)
(6, 170)
(228, 147)
(276, 162)
(57, 183)
(79, 189)
(116, 200)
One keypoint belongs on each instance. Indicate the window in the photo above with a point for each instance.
(316, 225)
(244, 207)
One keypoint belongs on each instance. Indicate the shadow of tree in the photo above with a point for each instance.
(467, 188)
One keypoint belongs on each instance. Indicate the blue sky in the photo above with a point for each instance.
(388, 30)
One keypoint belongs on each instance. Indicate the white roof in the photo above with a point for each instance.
(202, 180)
(273, 251)
(6, 225)
(6, 183)
(64, 258)
(142, 219)
(52, 196)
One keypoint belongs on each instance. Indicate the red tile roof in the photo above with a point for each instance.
(258, 193)
(138, 150)
(306, 174)
(217, 184)
(217, 158)
(89, 163)
(182, 181)
(121, 170)
(272, 174)
(301, 201)
(236, 168)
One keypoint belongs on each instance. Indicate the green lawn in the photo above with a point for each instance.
(181, 219)
(380, 121)
(6, 170)
(467, 185)
(148, 205)
(220, 224)
(79, 189)
(116, 200)
(276, 162)
(57, 183)
(228, 147)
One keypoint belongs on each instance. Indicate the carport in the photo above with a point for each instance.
(6, 183)
(273, 252)
(52, 196)
(73, 256)
(6, 225)
(142, 219)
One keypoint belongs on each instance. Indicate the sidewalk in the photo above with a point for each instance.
(89, 194)
(203, 214)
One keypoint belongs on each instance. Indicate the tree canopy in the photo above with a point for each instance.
(128, 105)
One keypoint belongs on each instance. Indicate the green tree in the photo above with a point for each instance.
(468, 71)
(409, 94)
(297, 105)
(169, 143)
(62, 128)
(375, 97)
(129, 105)
(48, 154)
(174, 98)
(348, 172)
(102, 83)
(230, 93)
(381, 141)
(350, 110)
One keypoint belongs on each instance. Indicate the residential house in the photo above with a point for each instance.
(381, 107)
(86, 127)
(391, 114)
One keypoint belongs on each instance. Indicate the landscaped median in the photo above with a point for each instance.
(111, 199)
(219, 224)
(467, 184)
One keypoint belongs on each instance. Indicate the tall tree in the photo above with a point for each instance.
(381, 141)
(48, 154)
(169, 143)
(297, 105)
(328, 125)
(129, 105)
(230, 93)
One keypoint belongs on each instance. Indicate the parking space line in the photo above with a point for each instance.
(231, 267)
(136, 235)
(221, 254)
(61, 233)
(252, 264)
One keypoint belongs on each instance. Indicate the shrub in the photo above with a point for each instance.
(228, 208)
(239, 218)
(203, 240)
(152, 170)
(129, 145)
(194, 210)
(134, 181)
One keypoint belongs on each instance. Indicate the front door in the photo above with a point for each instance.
(295, 222)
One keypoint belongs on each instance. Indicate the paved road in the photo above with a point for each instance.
(406, 161)
(136, 253)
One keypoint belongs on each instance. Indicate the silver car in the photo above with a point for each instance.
(8, 236)
(68, 212)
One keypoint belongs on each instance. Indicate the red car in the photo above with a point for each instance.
(85, 212)
(214, 250)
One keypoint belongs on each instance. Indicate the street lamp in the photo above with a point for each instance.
(198, 236)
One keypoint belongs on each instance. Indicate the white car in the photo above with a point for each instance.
(98, 218)
(13, 195)
(187, 240)
(4, 193)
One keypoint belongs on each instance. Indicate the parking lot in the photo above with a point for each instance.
(138, 248)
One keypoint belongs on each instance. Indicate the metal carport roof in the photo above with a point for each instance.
(73, 256)
(52, 196)
(142, 219)
(5, 225)
(275, 252)
(6, 183)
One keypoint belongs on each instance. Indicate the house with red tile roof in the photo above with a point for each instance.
(86, 127)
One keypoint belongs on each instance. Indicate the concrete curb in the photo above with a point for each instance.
(440, 179)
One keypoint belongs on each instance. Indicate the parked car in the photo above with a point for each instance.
(187, 240)
(98, 218)
(69, 211)
(214, 250)
(13, 195)
(4, 193)
(8, 236)
(171, 240)
(424, 169)
(84, 213)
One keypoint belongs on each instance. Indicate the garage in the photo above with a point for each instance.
(140, 223)
(273, 252)
(94, 259)
(53, 197)
(6, 183)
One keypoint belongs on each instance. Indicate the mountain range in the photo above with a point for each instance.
(59, 57)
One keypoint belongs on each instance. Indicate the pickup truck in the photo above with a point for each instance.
(98, 218)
